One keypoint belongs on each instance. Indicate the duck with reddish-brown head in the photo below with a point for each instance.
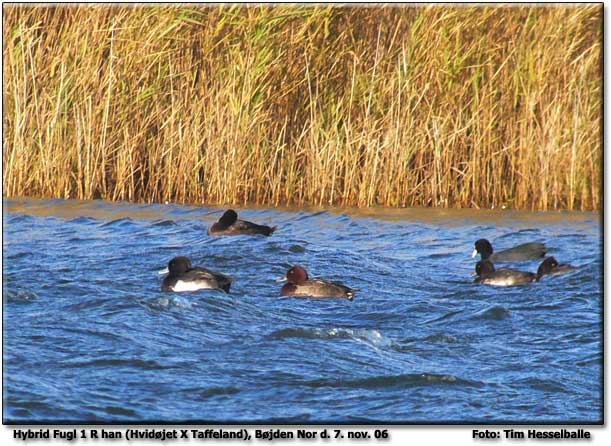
(300, 285)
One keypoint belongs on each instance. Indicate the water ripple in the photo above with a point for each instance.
(404, 381)
(90, 337)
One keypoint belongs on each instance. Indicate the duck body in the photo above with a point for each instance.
(183, 277)
(229, 224)
(317, 288)
(551, 267)
(300, 285)
(488, 275)
(520, 253)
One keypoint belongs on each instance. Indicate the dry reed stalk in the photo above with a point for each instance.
(418, 106)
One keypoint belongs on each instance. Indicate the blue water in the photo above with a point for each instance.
(89, 336)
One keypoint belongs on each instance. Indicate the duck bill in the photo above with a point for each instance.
(474, 253)
(163, 271)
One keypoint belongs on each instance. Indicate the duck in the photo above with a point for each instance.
(550, 266)
(184, 277)
(299, 284)
(487, 274)
(525, 251)
(229, 224)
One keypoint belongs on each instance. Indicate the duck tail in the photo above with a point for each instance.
(271, 230)
(225, 283)
(350, 293)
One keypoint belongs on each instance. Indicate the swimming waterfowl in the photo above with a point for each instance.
(487, 274)
(526, 251)
(550, 266)
(299, 284)
(229, 224)
(183, 277)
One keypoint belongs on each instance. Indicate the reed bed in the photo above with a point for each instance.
(291, 105)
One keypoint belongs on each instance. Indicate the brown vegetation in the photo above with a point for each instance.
(397, 106)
